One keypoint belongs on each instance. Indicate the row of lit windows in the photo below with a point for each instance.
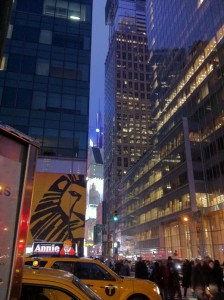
(124, 65)
(132, 86)
(66, 9)
(131, 76)
(211, 149)
(201, 75)
(171, 207)
(161, 211)
(72, 10)
(131, 118)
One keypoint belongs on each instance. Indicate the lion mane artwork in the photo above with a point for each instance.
(58, 208)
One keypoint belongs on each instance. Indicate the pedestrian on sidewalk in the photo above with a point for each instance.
(186, 279)
(141, 270)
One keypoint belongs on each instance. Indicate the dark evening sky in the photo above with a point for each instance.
(99, 50)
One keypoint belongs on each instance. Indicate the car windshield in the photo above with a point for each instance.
(85, 289)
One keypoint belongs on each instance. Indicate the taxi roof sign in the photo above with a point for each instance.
(46, 248)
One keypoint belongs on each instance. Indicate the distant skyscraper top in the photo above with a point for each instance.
(125, 15)
(99, 130)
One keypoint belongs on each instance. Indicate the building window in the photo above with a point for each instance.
(45, 37)
(119, 161)
(24, 98)
(28, 64)
(3, 63)
(67, 10)
(54, 100)
(39, 100)
(42, 67)
(9, 97)
(68, 102)
(82, 105)
(9, 32)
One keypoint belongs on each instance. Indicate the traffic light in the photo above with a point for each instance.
(115, 216)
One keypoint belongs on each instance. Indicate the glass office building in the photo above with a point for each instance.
(173, 198)
(45, 74)
(127, 131)
(44, 93)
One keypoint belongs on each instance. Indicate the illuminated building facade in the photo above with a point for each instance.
(172, 200)
(94, 201)
(44, 89)
(127, 132)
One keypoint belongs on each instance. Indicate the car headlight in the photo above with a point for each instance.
(156, 289)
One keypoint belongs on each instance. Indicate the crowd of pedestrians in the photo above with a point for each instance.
(200, 279)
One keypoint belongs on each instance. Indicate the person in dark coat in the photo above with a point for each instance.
(212, 278)
(199, 278)
(186, 279)
(141, 270)
(125, 269)
(173, 280)
(219, 274)
(157, 275)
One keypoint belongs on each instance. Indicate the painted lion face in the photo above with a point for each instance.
(59, 214)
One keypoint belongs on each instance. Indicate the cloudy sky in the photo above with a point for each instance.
(99, 50)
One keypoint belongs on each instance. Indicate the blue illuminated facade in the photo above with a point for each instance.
(45, 74)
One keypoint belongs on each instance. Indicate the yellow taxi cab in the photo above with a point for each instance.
(101, 279)
(50, 284)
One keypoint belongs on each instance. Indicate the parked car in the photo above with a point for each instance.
(101, 279)
(49, 284)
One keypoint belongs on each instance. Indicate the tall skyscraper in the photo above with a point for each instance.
(44, 88)
(127, 132)
(172, 199)
(44, 93)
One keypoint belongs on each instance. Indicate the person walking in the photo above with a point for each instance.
(125, 269)
(186, 279)
(164, 282)
(141, 270)
(218, 274)
(157, 275)
(173, 280)
(199, 278)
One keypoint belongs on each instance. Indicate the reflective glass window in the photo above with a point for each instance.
(82, 105)
(68, 102)
(51, 137)
(42, 67)
(66, 139)
(9, 97)
(28, 64)
(84, 69)
(54, 100)
(45, 37)
(14, 61)
(39, 100)
(32, 6)
(68, 10)
(24, 98)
